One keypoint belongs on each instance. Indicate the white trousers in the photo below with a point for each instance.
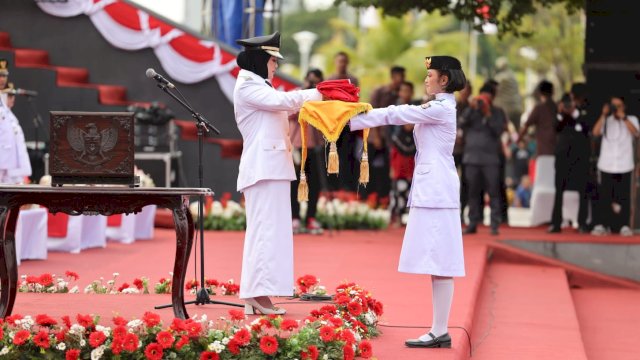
(267, 261)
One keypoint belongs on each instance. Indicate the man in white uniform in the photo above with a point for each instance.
(14, 158)
(433, 239)
(266, 170)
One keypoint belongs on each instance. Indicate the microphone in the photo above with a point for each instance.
(26, 92)
(152, 74)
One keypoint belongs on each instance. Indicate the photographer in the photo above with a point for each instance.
(483, 124)
(618, 129)
(572, 155)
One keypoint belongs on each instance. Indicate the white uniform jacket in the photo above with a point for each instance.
(435, 181)
(261, 115)
(8, 150)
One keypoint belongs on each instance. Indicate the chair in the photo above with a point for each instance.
(67, 240)
(125, 231)
(94, 231)
(145, 220)
(543, 194)
(31, 234)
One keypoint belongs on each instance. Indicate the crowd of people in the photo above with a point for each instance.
(495, 152)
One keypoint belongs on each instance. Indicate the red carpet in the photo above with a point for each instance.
(509, 309)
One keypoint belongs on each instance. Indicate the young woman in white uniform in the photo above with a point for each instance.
(433, 239)
(265, 174)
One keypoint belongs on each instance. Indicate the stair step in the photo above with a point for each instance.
(72, 75)
(5, 40)
(608, 319)
(526, 312)
(31, 57)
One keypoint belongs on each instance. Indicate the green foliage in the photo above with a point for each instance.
(316, 22)
(508, 15)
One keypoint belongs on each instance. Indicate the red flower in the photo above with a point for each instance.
(71, 275)
(377, 308)
(123, 286)
(337, 322)
(233, 346)
(182, 342)
(269, 345)
(209, 355)
(355, 308)
(119, 321)
(165, 339)
(311, 353)
(327, 333)
(193, 284)
(328, 309)
(60, 335)
(45, 320)
(177, 325)
(347, 337)
(289, 324)
(131, 342)
(307, 281)
(66, 320)
(232, 289)
(42, 339)
(342, 299)
(138, 284)
(72, 354)
(1, 333)
(365, 349)
(151, 319)
(120, 331)
(45, 279)
(347, 352)
(21, 337)
(193, 328)
(117, 345)
(96, 339)
(236, 315)
(85, 320)
(31, 279)
(153, 351)
(242, 337)
(211, 282)
(11, 319)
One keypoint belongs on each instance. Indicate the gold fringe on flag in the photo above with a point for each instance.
(364, 161)
(303, 188)
(333, 164)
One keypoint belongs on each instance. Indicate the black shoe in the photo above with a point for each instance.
(442, 341)
(494, 231)
(554, 229)
(470, 230)
(583, 230)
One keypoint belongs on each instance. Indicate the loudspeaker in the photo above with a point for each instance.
(610, 31)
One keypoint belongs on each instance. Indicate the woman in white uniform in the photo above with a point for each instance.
(433, 239)
(265, 174)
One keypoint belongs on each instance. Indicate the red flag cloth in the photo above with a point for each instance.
(341, 89)
(57, 225)
(114, 220)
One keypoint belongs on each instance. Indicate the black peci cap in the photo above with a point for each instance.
(269, 43)
(442, 63)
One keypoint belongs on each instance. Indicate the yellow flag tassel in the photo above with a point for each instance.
(364, 161)
(333, 164)
(303, 188)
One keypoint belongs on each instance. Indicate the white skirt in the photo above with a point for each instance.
(433, 243)
(267, 261)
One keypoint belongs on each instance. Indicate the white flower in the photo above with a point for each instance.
(61, 346)
(216, 208)
(115, 274)
(216, 346)
(4, 351)
(74, 290)
(225, 341)
(97, 352)
(325, 357)
(105, 330)
(370, 318)
(83, 343)
(110, 282)
(134, 324)
(130, 291)
(76, 329)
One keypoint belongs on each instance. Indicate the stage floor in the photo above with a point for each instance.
(369, 258)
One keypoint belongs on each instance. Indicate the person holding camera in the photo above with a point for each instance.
(483, 125)
(573, 149)
(615, 165)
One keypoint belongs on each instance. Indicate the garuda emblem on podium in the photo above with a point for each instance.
(92, 146)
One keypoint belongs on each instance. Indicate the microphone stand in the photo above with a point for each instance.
(37, 121)
(202, 296)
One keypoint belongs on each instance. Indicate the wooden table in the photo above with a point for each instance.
(94, 200)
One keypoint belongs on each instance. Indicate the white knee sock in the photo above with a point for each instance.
(442, 297)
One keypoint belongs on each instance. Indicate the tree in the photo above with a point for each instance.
(506, 14)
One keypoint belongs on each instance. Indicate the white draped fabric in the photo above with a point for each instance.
(198, 61)
(94, 231)
(31, 234)
(125, 233)
(145, 221)
(70, 243)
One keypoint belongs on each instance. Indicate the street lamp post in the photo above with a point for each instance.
(305, 40)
